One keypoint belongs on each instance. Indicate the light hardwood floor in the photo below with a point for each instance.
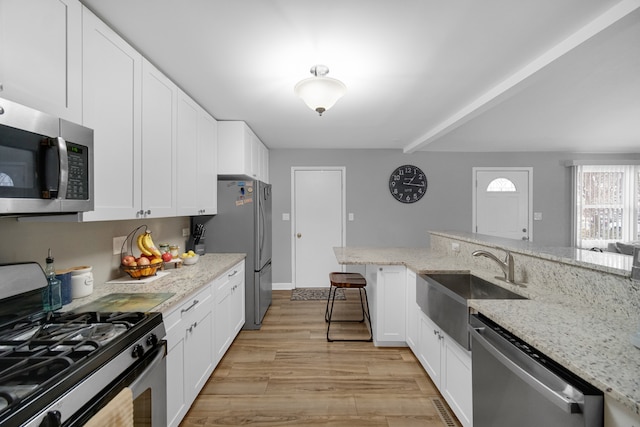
(287, 374)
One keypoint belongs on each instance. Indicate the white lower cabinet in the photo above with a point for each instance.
(199, 332)
(189, 352)
(229, 308)
(386, 288)
(449, 366)
(412, 310)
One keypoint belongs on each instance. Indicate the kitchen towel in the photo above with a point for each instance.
(117, 413)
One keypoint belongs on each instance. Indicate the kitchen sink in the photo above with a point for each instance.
(443, 297)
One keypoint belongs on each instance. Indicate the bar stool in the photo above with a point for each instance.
(347, 280)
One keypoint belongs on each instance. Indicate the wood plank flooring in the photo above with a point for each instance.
(287, 374)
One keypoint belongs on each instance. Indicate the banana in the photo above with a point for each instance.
(147, 241)
(141, 246)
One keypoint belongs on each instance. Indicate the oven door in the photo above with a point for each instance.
(148, 384)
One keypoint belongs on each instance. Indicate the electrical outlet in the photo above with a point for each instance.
(455, 247)
(185, 232)
(117, 244)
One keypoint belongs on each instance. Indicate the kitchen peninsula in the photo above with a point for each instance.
(581, 310)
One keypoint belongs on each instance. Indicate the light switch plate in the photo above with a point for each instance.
(537, 216)
(285, 217)
(351, 216)
(185, 232)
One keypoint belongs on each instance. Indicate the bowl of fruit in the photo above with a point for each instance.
(150, 259)
(189, 258)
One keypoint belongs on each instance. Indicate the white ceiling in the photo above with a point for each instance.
(432, 75)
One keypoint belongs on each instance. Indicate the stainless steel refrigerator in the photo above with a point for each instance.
(243, 224)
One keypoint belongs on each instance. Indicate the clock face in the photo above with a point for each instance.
(408, 184)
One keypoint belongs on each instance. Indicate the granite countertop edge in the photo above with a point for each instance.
(575, 336)
(183, 282)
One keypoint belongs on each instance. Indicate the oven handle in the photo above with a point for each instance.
(158, 358)
(567, 405)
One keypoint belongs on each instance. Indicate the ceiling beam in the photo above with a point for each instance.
(517, 80)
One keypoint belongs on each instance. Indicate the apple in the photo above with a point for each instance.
(166, 257)
(128, 260)
(143, 261)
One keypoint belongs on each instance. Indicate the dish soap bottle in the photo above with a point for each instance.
(52, 294)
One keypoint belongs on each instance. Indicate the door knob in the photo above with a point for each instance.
(299, 235)
(524, 230)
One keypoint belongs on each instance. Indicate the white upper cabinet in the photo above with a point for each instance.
(241, 153)
(159, 107)
(132, 108)
(112, 97)
(41, 63)
(197, 162)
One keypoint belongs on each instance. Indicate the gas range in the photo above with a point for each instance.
(55, 366)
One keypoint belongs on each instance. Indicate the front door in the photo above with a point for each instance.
(318, 224)
(502, 202)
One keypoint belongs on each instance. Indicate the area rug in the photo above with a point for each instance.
(310, 294)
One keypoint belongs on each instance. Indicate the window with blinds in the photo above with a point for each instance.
(607, 205)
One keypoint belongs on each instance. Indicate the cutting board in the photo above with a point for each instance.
(126, 302)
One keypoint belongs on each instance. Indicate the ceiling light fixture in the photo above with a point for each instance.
(320, 92)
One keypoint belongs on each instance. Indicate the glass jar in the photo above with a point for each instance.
(164, 247)
(174, 250)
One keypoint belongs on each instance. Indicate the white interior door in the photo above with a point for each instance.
(318, 224)
(502, 202)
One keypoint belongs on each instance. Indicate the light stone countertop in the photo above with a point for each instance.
(183, 282)
(590, 343)
(607, 262)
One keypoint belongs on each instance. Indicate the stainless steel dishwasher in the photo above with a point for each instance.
(516, 385)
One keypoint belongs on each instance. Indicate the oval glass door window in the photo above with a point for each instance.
(502, 185)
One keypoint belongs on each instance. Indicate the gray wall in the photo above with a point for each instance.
(382, 221)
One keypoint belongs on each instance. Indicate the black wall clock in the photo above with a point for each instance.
(408, 184)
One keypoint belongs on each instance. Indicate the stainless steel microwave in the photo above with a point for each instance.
(46, 163)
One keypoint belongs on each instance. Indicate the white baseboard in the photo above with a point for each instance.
(282, 286)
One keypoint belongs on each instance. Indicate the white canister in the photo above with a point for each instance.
(81, 281)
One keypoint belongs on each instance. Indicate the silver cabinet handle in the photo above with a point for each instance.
(195, 302)
(233, 274)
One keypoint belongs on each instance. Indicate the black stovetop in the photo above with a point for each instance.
(45, 354)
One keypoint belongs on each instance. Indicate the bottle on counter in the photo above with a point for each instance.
(52, 294)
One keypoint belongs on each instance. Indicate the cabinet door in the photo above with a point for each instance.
(112, 108)
(237, 314)
(264, 169)
(207, 164)
(223, 326)
(456, 380)
(176, 365)
(159, 102)
(187, 156)
(429, 345)
(412, 313)
(41, 55)
(199, 347)
(391, 302)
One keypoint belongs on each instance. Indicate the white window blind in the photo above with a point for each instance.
(606, 204)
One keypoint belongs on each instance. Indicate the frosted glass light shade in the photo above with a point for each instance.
(320, 93)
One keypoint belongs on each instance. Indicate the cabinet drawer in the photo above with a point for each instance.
(229, 278)
(189, 305)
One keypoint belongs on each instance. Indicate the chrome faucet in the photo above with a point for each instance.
(506, 265)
